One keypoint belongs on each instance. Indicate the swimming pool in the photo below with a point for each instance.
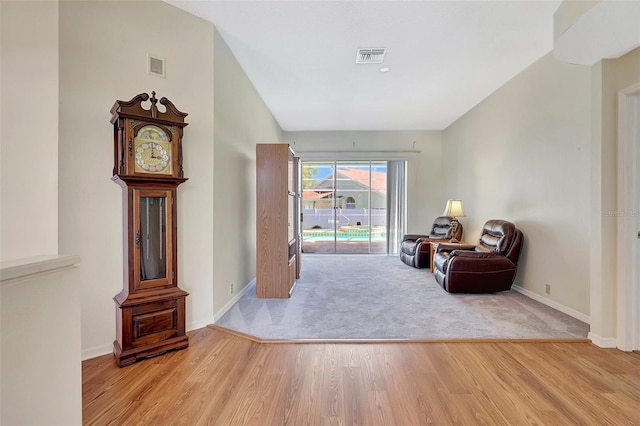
(345, 233)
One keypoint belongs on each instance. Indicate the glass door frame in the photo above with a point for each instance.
(338, 206)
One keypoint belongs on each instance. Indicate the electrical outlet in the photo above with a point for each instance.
(547, 289)
(231, 288)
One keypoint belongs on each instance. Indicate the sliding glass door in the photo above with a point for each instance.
(344, 207)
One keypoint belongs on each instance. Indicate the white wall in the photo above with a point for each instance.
(608, 78)
(41, 378)
(38, 309)
(29, 135)
(424, 166)
(103, 55)
(241, 120)
(523, 154)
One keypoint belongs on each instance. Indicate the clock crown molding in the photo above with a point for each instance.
(134, 109)
(156, 151)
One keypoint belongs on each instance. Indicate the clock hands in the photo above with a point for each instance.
(153, 155)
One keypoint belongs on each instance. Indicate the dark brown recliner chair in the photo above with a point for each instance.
(415, 248)
(488, 267)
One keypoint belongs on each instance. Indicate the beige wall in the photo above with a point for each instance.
(241, 120)
(523, 154)
(103, 54)
(609, 77)
(424, 200)
(41, 378)
(40, 310)
(29, 134)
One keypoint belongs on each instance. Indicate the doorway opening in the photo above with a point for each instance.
(345, 206)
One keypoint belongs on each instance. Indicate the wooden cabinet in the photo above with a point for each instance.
(277, 220)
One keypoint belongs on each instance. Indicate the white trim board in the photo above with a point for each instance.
(553, 304)
(14, 271)
(628, 220)
(195, 325)
(96, 351)
(355, 155)
(603, 342)
(101, 350)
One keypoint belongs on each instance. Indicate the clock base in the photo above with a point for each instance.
(125, 358)
(149, 326)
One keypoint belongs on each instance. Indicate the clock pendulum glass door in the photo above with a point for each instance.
(153, 238)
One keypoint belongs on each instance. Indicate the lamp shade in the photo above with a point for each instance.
(454, 209)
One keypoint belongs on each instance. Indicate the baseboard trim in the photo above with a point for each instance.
(101, 350)
(553, 304)
(260, 340)
(96, 351)
(603, 342)
(195, 325)
(232, 301)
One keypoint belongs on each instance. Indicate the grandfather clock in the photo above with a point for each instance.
(150, 309)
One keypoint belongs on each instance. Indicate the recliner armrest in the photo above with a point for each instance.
(446, 246)
(473, 261)
(473, 254)
(414, 237)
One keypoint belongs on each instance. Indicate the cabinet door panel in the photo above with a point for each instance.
(154, 322)
(153, 232)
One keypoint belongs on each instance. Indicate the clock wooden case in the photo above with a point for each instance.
(150, 309)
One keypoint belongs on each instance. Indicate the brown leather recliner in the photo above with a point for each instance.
(415, 248)
(488, 267)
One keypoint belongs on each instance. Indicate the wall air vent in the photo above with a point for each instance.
(372, 55)
(155, 66)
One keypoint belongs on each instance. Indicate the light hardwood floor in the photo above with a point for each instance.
(227, 380)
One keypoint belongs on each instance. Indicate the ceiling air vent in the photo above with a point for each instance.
(155, 66)
(373, 55)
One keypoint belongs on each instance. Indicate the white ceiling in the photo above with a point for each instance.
(608, 29)
(445, 56)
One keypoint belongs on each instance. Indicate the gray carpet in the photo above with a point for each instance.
(379, 297)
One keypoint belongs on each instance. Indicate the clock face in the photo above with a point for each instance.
(152, 151)
(152, 157)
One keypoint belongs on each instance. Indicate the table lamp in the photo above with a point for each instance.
(454, 209)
